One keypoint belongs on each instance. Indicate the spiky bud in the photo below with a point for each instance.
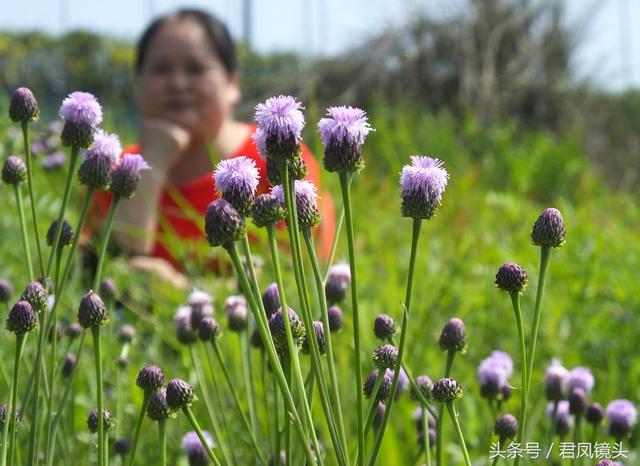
(23, 107)
(150, 378)
(320, 338)
(296, 166)
(36, 295)
(594, 414)
(66, 234)
(108, 421)
(223, 223)
(158, 409)
(237, 313)
(14, 170)
(277, 329)
(338, 282)
(22, 319)
(336, 318)
(446, 390)
(385, 385)
(179, 394)
(506, 427)
(271, 299)
(108, 289)
(424, 385)
(511, 278)
(548, 230)
(92, 312)
(385, 356)
(453, 336)
(208, 329)
(384, 326)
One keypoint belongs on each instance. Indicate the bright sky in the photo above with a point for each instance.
(609, 53)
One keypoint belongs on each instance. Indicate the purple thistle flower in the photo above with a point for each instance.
(493, 373)
(201, 304)
(97, 167)
(336, 319)
(306, 202)
(21, 319)
(622, 417)
(23, 107)
(92, 311)
(594, 414)
(182, 322)
(338, 281)
(105, 144)
(125, 177)
(343, 134)
(280, 122)
(421, 186)
(564, 420)
(194, 449)
(237, 313)
(581, 377)
(223, 224)
(82, 114)
(237, 180)
(549, 230)
(271, 299)
(555, 379)
(267, 210)
(14, 170)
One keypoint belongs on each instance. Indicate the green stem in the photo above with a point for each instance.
(237, 404)
(65, 201)
(271, 352)
(9, 428)
(136, 435)
(23, 230)
(334, 244)
(346, 199)
(162, 431)
(247, 371)
(308, 237)
(196, 427)
(97, 351)
(417, 223)
(34, 217)
(577, 434)
(287, 423)
(425, 433)
(440, 417)
(105, 241)
(454, 418)
(515, 299)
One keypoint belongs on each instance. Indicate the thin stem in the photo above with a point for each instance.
(245, 351)
(271, 352)
(417, 224)
(454, 418)
(515, 299)
(346, 198)
(65, 201)
(162, 431)
(577, 434)
(136, 434)
(287, 423)
(97, 351)
(236, 401)
(334, 244)
(34, 217)
(23, 230)
(9, 428)
(105, 241)
(196, 428)
(308, 237)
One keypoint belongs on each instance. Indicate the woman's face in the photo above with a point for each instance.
(183, 80)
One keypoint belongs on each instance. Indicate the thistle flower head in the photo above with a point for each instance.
(237, 313)
(338, 281)
(564, 420)
(556, 380)
(68, 365)
(82, 114)
(125, 177)
(14, 170)
(453, 336)
(36, 295)
(208, 329)
(92, 312)
(577, 401)
(384, 326)
(66, 234)
(385, 385)
(622, 416)
(158, 409)
(237, 180)
(343, 132)
(421, 186)
(6, 290)
(306, 195)
(385, 356)
(506, 427)
(581, 377)
(277, 329)
(594, 414)
(446, 390)
(223, 223)
(122, 446)
(336, 318)
(548, 230)
(511, 278)
(194, 449)
(150, 378)
(23, 107)
(105, 145)
(108, 289)
(424, 385)
(108, 421)
(182, 323)
(267, 210)
(320, 338)
(22, 318)
(280, 122)
(179, 394)
(271, 299)
(97, 168)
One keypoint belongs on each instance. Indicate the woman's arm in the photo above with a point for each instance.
(137, 218)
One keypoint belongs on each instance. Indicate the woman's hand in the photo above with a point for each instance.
(162, 142)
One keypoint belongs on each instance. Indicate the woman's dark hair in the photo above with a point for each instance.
(216, 31)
